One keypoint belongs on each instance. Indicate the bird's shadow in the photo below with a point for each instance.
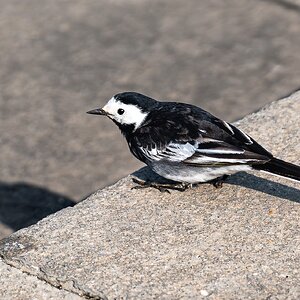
(247, 180)
(266, 186)
(23, 204)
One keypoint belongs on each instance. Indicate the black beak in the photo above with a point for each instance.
(97, 111)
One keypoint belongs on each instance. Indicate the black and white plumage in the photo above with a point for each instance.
(184, 143)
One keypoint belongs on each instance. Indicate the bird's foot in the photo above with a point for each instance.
(218, 182)
(162, 187)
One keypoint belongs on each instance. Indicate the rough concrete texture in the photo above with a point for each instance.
(59, 59)
(15, 284)
(238, 242)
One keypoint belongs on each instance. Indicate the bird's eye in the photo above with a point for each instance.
(121, 111)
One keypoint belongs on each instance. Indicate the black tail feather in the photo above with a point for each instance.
(280, 168)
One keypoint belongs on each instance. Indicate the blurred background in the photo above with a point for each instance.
(60, 58)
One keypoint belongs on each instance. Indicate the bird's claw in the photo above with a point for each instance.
(218, 182)
(147, 184)
(162, 187)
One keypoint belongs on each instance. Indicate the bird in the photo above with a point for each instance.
(186, 144)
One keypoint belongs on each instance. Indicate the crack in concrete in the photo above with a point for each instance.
(74, 287)
(57, 283)
(26, 272)
(15, 245)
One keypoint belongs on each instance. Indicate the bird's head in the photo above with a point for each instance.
(127, 110)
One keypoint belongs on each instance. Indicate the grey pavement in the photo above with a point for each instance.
(59, 59)
(238, 242)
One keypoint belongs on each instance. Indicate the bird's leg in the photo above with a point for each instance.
(162, 187)
(148, 184)
(218, 182)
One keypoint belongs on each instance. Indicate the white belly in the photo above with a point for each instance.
(191, 174)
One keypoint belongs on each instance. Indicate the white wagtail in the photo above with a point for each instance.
(186, 144)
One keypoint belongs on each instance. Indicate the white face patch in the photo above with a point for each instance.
(124, 113)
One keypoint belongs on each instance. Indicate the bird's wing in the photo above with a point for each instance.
(214, 152)
(185, 133)
(202, 153)
(237, 136)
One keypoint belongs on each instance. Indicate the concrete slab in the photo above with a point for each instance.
(16, 285)
(239, 242)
